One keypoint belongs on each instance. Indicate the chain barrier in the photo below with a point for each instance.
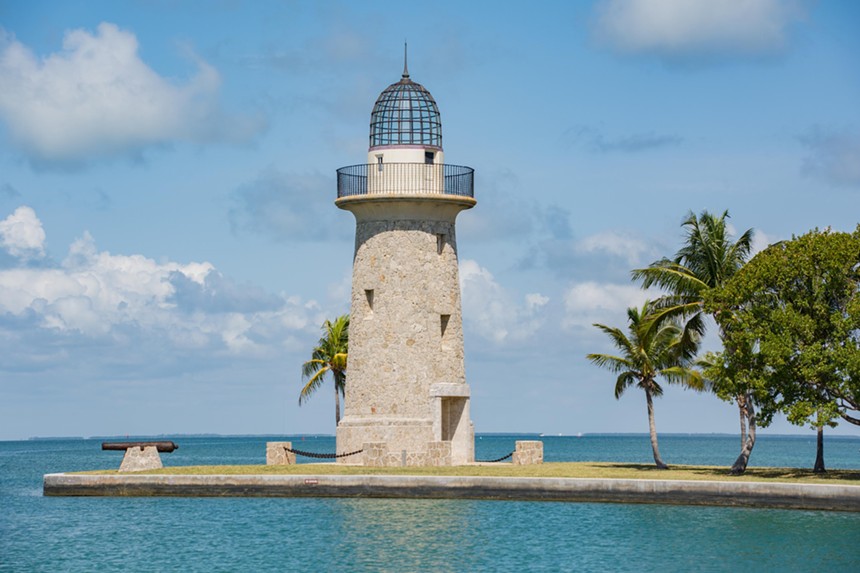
(501, 459)
(322, 456)
(335, 456)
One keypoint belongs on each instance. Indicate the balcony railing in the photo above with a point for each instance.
(406, 179)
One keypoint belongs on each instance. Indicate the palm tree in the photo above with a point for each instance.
(653, 349)
(330, 355)
(706, 261)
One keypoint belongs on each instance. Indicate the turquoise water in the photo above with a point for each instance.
(234, 534)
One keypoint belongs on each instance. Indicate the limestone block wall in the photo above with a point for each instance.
(277, 454)
(406, 334)
(405, 323)
(528, 452)
(433, 454)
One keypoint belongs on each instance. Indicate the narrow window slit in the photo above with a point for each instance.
(368, 294)
(443, 322)
(440, 243)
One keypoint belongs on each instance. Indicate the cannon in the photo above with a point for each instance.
(165, 446)
(140, 455)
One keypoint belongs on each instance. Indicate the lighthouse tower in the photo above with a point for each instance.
(407, 401)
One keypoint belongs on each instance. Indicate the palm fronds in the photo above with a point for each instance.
(330, 355)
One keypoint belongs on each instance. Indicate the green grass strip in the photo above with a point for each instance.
(601, 470)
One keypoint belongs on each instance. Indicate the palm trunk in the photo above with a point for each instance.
(740, 465)
(653, 429)
(336, 405)
(819, 453)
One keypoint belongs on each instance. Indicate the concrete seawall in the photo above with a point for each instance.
(740, 494)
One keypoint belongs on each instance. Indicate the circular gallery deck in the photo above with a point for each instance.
(724, 493)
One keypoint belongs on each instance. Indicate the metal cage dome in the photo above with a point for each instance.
(405, 114)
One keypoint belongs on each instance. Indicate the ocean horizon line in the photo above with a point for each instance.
(478, 435)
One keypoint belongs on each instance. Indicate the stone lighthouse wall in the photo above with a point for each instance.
(406, 390)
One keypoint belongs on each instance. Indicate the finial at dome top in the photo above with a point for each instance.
(405, 67)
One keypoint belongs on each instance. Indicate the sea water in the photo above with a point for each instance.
(281, 534)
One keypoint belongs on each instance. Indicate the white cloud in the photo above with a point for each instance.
(680, 29)
(492, 311)
(604, 256)
(606, 303)
(22, 235)
(341, 289)
(534, 301)
(98, 296)
(834, 156)
(760, 242)
(97, 98)
(612, 243)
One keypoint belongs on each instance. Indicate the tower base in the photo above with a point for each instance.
(447, 439)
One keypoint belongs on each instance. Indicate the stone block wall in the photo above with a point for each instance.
(528, 453)
(374, 455)
(405, 334)
(277, 454)
(438, 454)
(378, 455)
(140, 458)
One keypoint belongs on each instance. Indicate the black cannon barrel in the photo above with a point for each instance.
(166, 446)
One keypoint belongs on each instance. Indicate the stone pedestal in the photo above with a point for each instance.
(277, 454)
(140, 458)
(528, 453)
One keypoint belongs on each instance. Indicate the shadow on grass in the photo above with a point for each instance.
(752, 472)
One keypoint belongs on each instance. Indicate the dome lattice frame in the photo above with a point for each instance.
(405, 114)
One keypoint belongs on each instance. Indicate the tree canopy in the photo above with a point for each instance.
(707, 259)
(793, 324)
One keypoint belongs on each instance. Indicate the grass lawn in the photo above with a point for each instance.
(603, 470)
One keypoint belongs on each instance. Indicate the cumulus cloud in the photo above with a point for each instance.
(760, 239)
(96, 98)
(22, 235)
(110, 300)
(492, 312)
(290, 206)
(615, 244)
(606, 256)
(588, 302)
(833, 156)
(760, 242)
(684, 30)
(594, 140)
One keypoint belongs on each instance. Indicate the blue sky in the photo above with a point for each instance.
(169, 244)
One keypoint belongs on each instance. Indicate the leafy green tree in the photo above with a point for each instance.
(731, 382)
(708, 258)
(795, 326)
(330, 355)
(650, 351)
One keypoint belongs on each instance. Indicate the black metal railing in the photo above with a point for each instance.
(406, 179)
